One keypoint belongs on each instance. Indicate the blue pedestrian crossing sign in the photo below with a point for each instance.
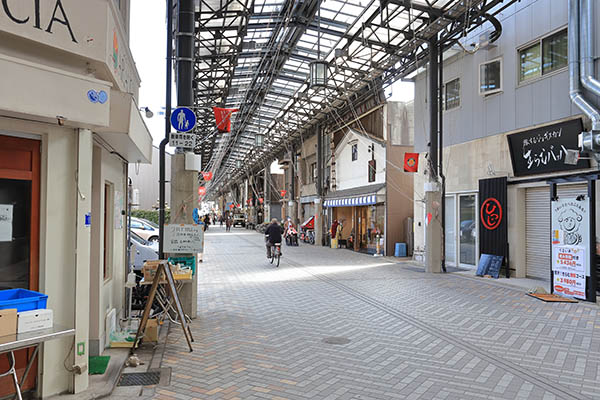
(183, 119)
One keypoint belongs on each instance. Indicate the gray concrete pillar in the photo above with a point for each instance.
(433, 232)
(184, 198)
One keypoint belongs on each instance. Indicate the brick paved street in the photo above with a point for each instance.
(259, 332)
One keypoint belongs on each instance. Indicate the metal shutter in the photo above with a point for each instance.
(538, 226)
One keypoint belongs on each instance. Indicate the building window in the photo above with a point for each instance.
(313, 173)
(490, 77)
(355, 152)
(372, 170)
(452, 94)
(544, 56)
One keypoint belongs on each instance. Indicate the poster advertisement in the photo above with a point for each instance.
(6, 222)
(568, 265)
(184, 238)
(570, 225)
(570, 246)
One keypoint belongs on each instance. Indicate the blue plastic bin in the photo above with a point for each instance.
(400, 250)
(22, 299)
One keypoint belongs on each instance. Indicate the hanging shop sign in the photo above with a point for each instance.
(493, 227)
(372, 172)
(411, 162)
(201, 190)
(223, 118)
(543, 150)
(207, 176)
(184, 238)
(283, 193)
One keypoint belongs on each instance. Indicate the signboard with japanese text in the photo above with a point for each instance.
(568, 267)
(493, 227)
(183, 140)
(543, 150)
(570, 224)
(184, 238)
(6, 222)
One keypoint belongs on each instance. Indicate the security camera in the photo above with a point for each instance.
(60, 119)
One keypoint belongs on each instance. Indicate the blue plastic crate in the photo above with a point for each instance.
(22, 299)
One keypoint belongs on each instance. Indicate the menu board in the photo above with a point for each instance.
(184, 238)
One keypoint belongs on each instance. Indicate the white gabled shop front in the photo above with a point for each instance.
(69, 125)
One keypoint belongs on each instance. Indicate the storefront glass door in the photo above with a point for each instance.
(450, 235)
(467, 229)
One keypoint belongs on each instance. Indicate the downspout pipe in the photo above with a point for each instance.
(575, 91)
(586, 42)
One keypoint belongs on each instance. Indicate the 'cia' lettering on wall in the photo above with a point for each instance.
(59, 16)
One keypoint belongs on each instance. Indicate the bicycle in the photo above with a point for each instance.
(275, 252)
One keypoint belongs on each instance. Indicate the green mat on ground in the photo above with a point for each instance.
(98, 364)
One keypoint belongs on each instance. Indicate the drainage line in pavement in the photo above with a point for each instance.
(474, 350)
(471, 349)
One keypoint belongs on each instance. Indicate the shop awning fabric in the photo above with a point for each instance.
(360, 196)
(354, 201)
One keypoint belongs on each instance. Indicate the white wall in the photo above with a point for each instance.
(351, 174)
(106, 294)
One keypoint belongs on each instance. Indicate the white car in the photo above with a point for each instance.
(145, 229)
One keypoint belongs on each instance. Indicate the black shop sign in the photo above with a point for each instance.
(543, 150)
(493, 227)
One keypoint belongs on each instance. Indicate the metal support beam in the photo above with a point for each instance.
(433, 108)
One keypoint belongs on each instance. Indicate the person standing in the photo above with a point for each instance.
(228, 224)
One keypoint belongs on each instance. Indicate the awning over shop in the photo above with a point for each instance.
(354, 201)
(360, 196)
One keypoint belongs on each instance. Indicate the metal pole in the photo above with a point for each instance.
(441, 150)
(185, 52)
(163, 143)
(433, 107)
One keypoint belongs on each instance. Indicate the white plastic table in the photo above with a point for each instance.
(11, 343)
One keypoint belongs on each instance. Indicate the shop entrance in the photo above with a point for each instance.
(461, 230)
(19, 232)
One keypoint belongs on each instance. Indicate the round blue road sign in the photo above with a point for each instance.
(183, 119)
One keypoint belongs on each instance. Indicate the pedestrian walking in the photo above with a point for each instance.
(228, 224)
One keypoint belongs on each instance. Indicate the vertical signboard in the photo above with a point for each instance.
(570, 246)
(493, 227)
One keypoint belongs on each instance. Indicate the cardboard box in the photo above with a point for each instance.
(151, 334)
(150, 267)
(8, 322)
(34, 320)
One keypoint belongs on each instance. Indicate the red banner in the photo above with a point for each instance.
(411, 162)
(207, 176)
(201, 190)
(283, 193)
(260, 200)
(223, 118)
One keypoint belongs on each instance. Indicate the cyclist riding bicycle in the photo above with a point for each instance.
(273, 235)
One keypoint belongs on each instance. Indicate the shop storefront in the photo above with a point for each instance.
(529, 162)
(69, 127)
(361, 220)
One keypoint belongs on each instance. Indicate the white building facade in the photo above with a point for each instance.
(69, 127)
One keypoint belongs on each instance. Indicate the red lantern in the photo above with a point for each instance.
(201, 190)
(231, 206)
(260, 200)
(207, 176)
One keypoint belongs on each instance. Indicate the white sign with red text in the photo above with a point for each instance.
(569, 265)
